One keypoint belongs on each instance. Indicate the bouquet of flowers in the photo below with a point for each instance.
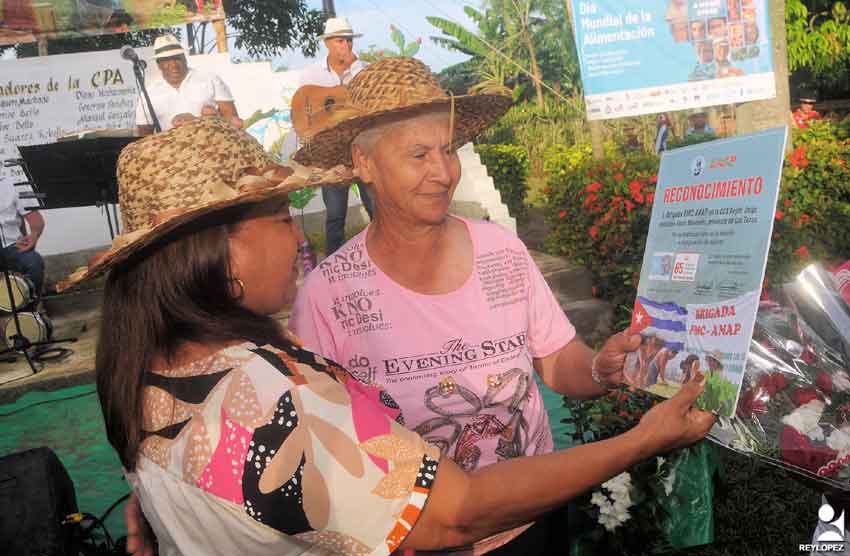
(656, 505)
(794, 406)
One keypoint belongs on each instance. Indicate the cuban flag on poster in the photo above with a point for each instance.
(667, 321)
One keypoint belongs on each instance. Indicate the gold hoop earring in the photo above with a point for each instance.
(241, 285)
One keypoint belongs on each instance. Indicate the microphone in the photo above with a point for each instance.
(128, 53)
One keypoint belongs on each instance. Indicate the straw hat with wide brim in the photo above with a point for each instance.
(390, 89)
(170, 179)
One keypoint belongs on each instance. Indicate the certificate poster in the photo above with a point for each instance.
(649, 56)
(704, 264)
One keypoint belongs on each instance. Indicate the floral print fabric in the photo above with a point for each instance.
(282, 441)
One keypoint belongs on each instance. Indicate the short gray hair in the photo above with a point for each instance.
(368, 139)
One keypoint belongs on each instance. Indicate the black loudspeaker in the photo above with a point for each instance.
(36, 494)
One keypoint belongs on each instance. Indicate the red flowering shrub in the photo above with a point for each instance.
(599, 213)
(815, 202)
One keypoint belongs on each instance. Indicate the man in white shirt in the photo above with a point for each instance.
(18, 249)
(182, 93)
(340, 66)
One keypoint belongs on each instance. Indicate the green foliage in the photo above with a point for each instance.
(256, 117)
(598, 212)
(814, 202)
(818, 35)
(407, 50)
(508, 166)
(692, 139)
(537, 129)
(300, 198)
(718, 395)
(515, 40)
(266, 28)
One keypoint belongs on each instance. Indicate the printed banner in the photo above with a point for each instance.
(43, 99)
(28, 20)
(649, 56)
(704, 263)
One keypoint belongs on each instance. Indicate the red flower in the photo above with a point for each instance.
(803, 396)
(750, 404)
(619, 176)
(590, 199)
(650, 198)
(798, 450)
(638, 197)
(780, 215)
(798, 158)
(629, 205)
(594, 232)
(773, 383)
(607, 217)
(653, 178)
(808, 357)
(804, 218)
(562, 214)
(547, 189)
(623, 414)
(803, 252)
(824, 381)
(788, 203)
(593, 187)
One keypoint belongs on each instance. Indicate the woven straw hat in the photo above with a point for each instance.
(393, 88)
(170, 179)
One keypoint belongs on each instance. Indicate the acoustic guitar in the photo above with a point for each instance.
(313, 107)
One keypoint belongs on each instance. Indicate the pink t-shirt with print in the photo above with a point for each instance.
(459, 364)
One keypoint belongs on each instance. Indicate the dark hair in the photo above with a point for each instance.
(174, 292)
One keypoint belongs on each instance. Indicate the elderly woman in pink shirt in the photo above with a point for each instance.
(449, 315)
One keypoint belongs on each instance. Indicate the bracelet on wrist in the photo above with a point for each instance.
(595, 377)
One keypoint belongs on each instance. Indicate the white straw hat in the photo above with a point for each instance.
(338, 27)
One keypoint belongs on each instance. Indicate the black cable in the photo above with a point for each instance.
(75, 396)
(96, 521)
(113, 506)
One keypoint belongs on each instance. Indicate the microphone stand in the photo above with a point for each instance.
(139, 70)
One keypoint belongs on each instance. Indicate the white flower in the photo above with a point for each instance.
(669, 481)
(599, 499)
(623, 498)
(659, 461)
(620, 483)
(805, 419)
(841, 381)
(839, 440)
(622, 516)
(609, 522)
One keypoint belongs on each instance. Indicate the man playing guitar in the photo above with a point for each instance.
(340, 66)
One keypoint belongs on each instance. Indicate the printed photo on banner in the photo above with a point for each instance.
(703, 266)
(28, 20)
(650, 56)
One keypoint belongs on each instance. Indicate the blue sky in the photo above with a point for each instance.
(373, 19)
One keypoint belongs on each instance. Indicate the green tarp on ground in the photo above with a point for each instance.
(69, 422)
